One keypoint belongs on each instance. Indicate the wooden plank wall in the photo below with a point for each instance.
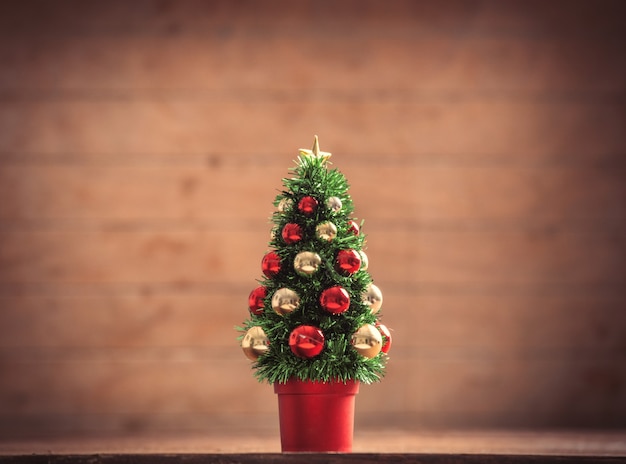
(142, 144)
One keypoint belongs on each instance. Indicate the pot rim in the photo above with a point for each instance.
(310, 387)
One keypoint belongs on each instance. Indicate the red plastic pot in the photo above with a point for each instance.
(316, 416)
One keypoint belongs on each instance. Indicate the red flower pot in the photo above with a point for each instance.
(316, 416)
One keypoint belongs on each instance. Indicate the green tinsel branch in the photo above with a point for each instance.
(338, 360)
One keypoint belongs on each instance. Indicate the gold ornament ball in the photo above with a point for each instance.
(255, 343)
(326, 231)
(373, 297)
(284, 204)
(367, 341)
(285, 301)
(334, 204)
(307, 263)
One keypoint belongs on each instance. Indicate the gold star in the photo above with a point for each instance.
(315, 151)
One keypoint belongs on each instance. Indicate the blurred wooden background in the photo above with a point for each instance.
(142, 144)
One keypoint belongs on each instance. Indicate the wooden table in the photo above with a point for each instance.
(435, 447)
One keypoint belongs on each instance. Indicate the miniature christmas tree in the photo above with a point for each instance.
(314, 316)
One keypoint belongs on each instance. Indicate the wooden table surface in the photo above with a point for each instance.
(369, 446)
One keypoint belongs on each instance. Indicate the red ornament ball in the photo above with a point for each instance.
(335, 299)
(353, 227)
(292, 233)
(255, 300)
(348, 261)
(307, 205)
(384, 331)
(306, 341)
(270, 264)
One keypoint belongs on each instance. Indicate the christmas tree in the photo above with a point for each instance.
(315, 315)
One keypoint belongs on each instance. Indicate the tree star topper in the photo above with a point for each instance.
(315, 151)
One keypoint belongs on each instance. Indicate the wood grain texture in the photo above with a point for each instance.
(526, 130)
(461, 17)
(191, 256)
(366, 440)
(197, 193)
(370, 67)
(142, 145)
(443, 325)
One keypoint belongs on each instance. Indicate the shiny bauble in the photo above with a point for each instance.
(292, 233)
(255, 300)
(353, 227)
(270, 264)
(306, 341)
(307, 263)
(373, 298)
(334, 204)
(386, 336)
(367, 341)
(255, 343)
(348, 262)
(365, 262)
(284, 204)
(326, 231)
(307, 205)
(285, 301)
(335, 300)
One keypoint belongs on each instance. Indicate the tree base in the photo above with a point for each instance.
(316, 416)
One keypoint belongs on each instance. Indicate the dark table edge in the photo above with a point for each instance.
(309, 458)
